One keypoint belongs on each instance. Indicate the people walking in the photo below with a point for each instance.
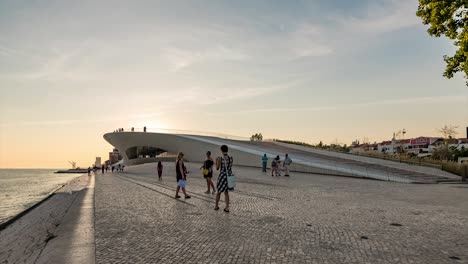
(160, 170)
(278, 166)
(264, 163)
(207, 170)
(112, 169)
(287, 161)
(224, 165)
(89, 171)
(103, 167)
(181, 176)
(273, 167)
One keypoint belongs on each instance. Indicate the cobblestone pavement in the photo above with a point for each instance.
(302, 219)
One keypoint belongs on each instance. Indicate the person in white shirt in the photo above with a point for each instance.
(287, 161)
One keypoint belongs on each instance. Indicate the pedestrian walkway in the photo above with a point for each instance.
(302, 219)
(74, 241)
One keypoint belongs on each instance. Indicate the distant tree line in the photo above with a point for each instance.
(257, 137)
(320, 145)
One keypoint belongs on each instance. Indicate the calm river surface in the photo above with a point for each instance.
(21, 188)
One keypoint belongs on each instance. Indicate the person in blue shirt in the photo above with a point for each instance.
(264, 163)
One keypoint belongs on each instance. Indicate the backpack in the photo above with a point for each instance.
(273, 163)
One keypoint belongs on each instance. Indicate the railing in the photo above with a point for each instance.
(181, 132)
(397, 159)
(350, 168)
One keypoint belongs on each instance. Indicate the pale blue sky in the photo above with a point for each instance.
(303, 70)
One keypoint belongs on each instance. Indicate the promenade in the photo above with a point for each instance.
(302, 219)
(131, 217)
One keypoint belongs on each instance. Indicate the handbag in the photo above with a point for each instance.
(205, 172)
(182, 183)
(231, 178)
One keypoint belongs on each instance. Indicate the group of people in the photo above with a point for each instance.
(119, 167)
(223, 164)
(131, 129)
(277, 164)
(105, 168)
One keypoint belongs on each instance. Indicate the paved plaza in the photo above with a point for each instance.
(302, 219)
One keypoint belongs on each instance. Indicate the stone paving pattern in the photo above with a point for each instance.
(302, 219)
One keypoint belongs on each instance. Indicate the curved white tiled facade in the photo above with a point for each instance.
(194, 147)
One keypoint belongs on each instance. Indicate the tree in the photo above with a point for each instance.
(448, 131)
(256, 137)
(441, 153)
(449, 18)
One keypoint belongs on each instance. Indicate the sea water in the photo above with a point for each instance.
(22, 188)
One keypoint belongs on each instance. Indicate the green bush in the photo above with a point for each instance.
(452, 167)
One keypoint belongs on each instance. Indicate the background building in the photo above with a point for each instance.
(114, 156)
(98, 163)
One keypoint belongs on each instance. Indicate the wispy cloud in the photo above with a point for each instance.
(382, 17)
(7, 52)
(148, 114)
(308, 40)
(202, 96)
(342, 107)
(179, 58)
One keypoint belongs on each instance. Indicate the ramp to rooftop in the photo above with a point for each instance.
(307, 160)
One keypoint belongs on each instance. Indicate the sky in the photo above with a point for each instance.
(317, 70)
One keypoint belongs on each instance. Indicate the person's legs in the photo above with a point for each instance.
(177, 192)
(212, 185)
(286, 170)
(273, 169)
(218, 196)
(208, 184)
(226, 198)
(264, 167)
(185, 193)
